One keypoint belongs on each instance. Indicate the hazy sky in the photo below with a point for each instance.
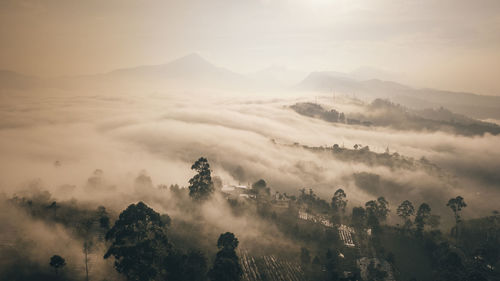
(450, 44)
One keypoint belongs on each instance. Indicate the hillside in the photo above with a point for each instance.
(477, 106)
(384, 113)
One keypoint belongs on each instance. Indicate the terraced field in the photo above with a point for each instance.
(269, 268)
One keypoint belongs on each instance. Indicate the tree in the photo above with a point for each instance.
(260, 188)
(378, 208)
(87, 247)
(201, 186)
(85, 229)
(182, 267)
(57, 262)
(139, 243)
(339, 201)
(196, 266)
(358, 216)
(449, 267)
(456, 205)
(226, 266)
(332, 266)
(374, 213)
(422, 217)
(103, 217)
(227, 241)
(405, 211)
(383, 208)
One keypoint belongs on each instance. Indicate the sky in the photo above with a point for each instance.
(447, 44)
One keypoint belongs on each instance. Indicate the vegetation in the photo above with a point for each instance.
(57, 262)
(139, 243)
(384, 113)
(304, 237)
(226, 265)
(201, 186)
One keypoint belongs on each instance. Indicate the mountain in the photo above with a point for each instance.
(473, 105)
(192, 67)
(192, 70)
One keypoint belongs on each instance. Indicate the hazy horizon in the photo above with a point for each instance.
(423, 43)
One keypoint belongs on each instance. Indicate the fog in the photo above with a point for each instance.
(112, 144)
(244, 139)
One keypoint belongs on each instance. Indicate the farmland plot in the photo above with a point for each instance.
(269, 268)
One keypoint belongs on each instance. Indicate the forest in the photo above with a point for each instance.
(384, 113)
(309, 237)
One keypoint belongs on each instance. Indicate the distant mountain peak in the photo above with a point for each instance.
(191, 60)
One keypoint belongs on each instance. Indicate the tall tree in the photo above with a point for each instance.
(379, 208)
(383, 208)
(57, 262)
(456, 205)
(339, 201)
(358, 217)
(85, 229)
(201, 186)
(405, 211)
(226, 266)
(422, 217)
(139, 243)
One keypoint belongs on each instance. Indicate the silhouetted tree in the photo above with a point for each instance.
(456, 205)
(422, 217)
(405, 211)
(201, 186)
(378, 208)
(87, 247)
(139, 243)
(226, 266)
(57, 262)
(339, 201)
(383, 208)
(85, 229)
(103, 217)
(358, 217)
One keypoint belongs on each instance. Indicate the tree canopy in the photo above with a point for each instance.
(422, 217)
(339, 201)
(201, 186)
(405, 211)
(226, 266)
(139, 243)
(57, 262)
